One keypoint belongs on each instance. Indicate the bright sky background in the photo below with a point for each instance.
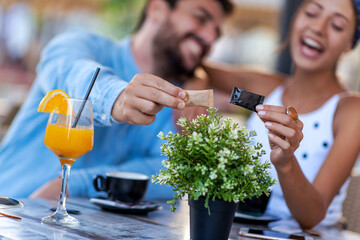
(277, 4)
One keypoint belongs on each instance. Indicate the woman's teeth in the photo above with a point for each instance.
(312, 44)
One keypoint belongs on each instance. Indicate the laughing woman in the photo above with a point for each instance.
(312, 157)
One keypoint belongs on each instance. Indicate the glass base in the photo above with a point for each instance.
(63, 219)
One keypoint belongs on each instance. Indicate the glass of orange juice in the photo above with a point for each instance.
(69, 136)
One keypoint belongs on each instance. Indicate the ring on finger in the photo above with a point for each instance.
(290, 111)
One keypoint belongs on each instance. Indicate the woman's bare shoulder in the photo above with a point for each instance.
(348, 111)
(349, 102)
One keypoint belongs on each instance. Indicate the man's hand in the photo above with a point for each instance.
(144, 97)
(50, 190)
(200, 82)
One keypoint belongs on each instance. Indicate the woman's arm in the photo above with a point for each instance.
(308, 202)
(344, 152)
(225, 77)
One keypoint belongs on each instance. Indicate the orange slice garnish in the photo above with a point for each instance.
(54, 100)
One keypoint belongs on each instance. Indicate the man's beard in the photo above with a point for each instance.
(168, 61)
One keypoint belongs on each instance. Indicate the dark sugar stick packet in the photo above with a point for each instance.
(246, 99)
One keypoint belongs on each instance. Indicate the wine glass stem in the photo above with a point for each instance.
(64, 182)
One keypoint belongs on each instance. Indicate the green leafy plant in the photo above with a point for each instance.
(213, 158)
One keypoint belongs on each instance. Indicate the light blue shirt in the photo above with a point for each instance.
(68, 63)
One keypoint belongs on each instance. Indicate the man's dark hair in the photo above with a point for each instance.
(225, 4)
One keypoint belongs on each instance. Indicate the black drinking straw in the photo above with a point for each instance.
(86, 97)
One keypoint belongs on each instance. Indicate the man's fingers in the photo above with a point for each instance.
(148, 107)
(136, 117)
(153, 81)
(162, 98)
(157, 90)
(144, 97)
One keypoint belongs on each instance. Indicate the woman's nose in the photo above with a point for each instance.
(319, 25)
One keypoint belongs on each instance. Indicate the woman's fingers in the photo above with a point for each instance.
(272, 108)
(293, 135)
(286, 116)
(280, 142)
(285, 133)
(275, 116)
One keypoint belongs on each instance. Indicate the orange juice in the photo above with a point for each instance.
(69, 143)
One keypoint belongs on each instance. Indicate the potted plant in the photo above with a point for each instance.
(215, 163)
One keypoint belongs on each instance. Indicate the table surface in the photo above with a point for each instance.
(101, 225)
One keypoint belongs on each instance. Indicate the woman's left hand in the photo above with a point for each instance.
(285, 133)
(50, 190)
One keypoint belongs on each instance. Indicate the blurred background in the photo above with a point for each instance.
(26, 26)
(252, 37)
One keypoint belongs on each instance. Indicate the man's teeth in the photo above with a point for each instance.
(311, 43)
(193, 47)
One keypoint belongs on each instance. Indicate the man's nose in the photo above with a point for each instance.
(208, 33)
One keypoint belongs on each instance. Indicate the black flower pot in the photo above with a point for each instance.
(215, 226)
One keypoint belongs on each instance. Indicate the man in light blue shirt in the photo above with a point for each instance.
(130, 109)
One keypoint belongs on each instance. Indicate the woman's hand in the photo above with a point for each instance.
(285, 133)
(50, 190)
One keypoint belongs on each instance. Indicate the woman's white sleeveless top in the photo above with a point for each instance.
(313, 149)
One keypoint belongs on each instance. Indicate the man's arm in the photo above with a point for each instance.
(68, 63)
